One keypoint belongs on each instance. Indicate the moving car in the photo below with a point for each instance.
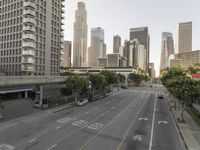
(82, 102)
(124, 87)
(161, 96)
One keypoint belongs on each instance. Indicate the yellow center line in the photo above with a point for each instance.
(107, 125)
(127, 131)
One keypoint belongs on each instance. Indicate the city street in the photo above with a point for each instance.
(129, 119)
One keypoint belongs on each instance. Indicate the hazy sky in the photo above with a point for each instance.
(118, 16)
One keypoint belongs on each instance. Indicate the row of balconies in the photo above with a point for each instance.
(28, 60)
(29, 4)
(28, 36)
(26, 67)
(62, 46)
(28, 52)
(29, 45)
(29, 20)
(29, 12)
(29, 28)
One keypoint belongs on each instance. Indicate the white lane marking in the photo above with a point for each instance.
(101, 115)
(153, 122)
(87, 112)
(95, 126)
(6, 147)
(58, 127)
(32, 140)
(7, 126)
(112, 108)
(145, 119)
(64, 120)
(80, 123)
(52, 147)
(138, 137)
(164, 122)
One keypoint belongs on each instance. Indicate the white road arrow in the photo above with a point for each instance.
(145, 119)
(138, 137)
(164, 122)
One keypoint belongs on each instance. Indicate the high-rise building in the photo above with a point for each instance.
(137, 55)
(184, 37)
(116, 43)
(31, 36)
(141, 57)
(113, 60)
(66, 54)
(127, 51)
(98, 48)
(80, 37)
(103, 62)
(142, 35)
(104, 50)
(167, 49)
(133, 45)
(151, 70)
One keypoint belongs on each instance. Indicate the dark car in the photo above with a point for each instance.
(160, 96)
(124, 87)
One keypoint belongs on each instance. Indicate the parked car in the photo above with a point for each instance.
(82, 102)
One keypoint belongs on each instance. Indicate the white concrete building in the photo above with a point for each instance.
(31, 36)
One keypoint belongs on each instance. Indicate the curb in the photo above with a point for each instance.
(179, 130)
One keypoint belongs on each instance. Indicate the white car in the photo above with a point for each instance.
(82, 102)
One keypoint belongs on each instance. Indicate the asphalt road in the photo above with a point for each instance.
(132, 119)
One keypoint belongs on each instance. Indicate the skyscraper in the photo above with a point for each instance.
(127, 51)
(97, 49)
(137, 57)
(80, 37)
(66, 54)
(116, 43)
(151, 70)
(31, 37)
(184, 37)
(142, 35)
(167, 49)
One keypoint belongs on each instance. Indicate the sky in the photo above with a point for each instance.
(116, 17)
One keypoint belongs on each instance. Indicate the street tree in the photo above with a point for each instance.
(121, 78)
(111, 77)
(75, 85)
(173, 72)
(185, 90)
(98, 82)
(136, 79)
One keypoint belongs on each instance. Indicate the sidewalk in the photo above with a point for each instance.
(189, 131)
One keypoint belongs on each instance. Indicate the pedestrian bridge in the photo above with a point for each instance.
(10, 81)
